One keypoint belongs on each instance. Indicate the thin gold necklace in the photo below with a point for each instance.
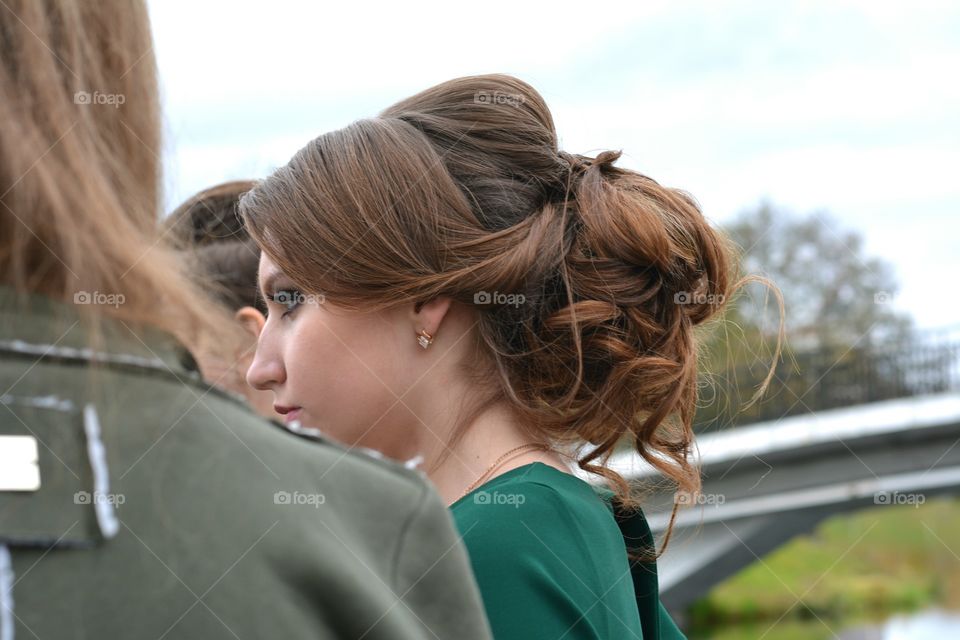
(517, 451)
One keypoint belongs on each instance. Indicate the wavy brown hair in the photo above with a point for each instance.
(207, 229)
(461, 190)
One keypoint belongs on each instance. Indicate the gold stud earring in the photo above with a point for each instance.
(424, 338)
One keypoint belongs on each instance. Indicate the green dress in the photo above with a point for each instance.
(551, 560)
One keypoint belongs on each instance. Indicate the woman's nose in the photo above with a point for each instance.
(265, 373)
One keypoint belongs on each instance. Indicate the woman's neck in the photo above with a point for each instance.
(453, 469)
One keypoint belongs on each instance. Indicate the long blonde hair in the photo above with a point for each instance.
(80, 166)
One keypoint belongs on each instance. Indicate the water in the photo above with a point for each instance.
(928, 625)
(925, 625)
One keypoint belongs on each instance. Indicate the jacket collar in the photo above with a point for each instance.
(36, 326)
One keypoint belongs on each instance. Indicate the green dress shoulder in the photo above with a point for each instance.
(550, 556)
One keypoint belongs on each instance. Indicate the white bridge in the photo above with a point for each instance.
(765, 483)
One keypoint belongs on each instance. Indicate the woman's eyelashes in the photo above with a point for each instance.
(289, 299)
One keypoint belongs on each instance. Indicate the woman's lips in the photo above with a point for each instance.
(289, 413)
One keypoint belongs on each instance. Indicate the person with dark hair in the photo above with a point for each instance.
(224, 260)
(137, 500)
(442, 280)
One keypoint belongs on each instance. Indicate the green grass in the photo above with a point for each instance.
(857, 566)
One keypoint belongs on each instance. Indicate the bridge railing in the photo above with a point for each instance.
(813, 381)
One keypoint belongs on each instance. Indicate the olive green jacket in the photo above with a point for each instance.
(166, 509)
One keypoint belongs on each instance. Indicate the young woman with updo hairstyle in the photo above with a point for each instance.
(444, 282)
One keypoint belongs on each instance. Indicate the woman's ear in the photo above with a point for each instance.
(428, 314)
(251, 319)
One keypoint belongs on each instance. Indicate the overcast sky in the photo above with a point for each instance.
(847, 107)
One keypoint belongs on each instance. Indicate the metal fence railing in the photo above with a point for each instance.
(831, 379)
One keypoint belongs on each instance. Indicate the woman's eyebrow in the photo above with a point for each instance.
(274, 280)
(268, 283)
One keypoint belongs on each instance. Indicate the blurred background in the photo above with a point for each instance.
(823, 136)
